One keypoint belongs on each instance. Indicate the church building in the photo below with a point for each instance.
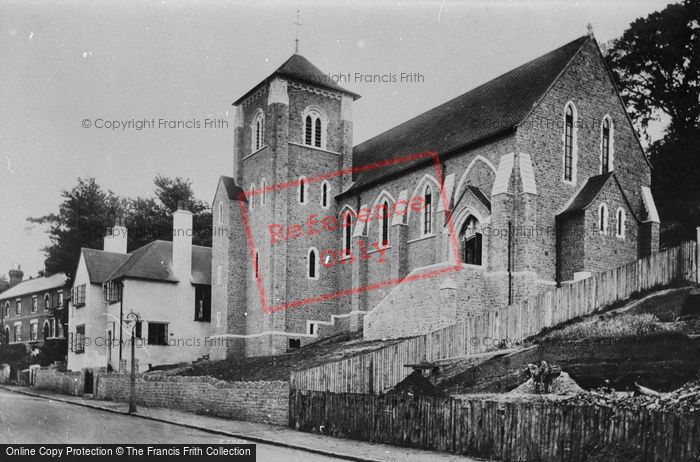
(537, 179)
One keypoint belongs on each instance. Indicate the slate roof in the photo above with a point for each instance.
(587, 195)
(153, 261)
(299, 68)
(487, 111)
(100, 264)
(233, 191)
(30, 286)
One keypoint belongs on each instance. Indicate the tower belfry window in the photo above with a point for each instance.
(313, 129)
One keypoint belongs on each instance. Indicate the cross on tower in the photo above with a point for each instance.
(296, 40)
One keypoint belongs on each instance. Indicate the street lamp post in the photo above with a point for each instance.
(132, 316)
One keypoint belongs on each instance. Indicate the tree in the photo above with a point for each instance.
(4, 283)
(656, 64)
(149, 219)
(83, 216)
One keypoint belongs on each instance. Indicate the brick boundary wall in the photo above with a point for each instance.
(67, 383)
(266, 402)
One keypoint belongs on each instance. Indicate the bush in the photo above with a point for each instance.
(51, 351)
(18, 356)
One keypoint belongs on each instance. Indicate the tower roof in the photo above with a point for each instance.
(300, 69)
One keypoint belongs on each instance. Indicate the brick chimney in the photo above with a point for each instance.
(116, 237)
(182, 243)
(16, 275)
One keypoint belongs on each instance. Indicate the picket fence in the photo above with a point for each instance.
(543, 431)
(380, 370)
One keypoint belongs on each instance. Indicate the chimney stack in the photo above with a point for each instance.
(16, 275)
(182, 243)
(116, 237)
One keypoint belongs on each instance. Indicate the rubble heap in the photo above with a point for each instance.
(686, 399)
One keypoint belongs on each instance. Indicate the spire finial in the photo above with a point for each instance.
(296, 40)
(589, 26)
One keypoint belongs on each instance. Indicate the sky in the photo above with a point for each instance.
(66, 64)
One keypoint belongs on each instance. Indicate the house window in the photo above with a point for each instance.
(302, 190)
(384, 217)
(18, 306)
(471, 241)
(325, 187)
(427, 210)
(80, 339)
(263, 186)
(620, 232)
(256, 264)
(294, 343)
(347, 233)
(46, 330)
(603, 219)
(18, 333)
(312, 264)
(313, 129)
(157, 333)
(111, 291)
(60, 299)
(79, 295)
(47, 302)
(258, 131)
(35, 304)
(138, 330)
(202, 303)
(7, 309)
(6, 340)
(570, 143)
(33, 332)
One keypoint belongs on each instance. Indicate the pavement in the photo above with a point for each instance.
(270, 435)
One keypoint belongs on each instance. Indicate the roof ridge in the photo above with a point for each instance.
(490, 81)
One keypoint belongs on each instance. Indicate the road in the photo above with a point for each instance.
(30, 420)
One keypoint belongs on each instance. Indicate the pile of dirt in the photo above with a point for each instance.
(686, 399)
(416, 385)
(562, 385)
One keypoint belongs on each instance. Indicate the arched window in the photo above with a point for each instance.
(251, 197)
(603, 219)
(7, 309)
(302, 190)
(313, 128)
(312, 264)
(221, 212)
(384, 220)
(347, 232)
(256, 264)
(46, 330)
(620, 232)
(606, 145)
(263, 186)
(258, 131)
(570, 143)
(317, 133)
(47, 301)
(325, 187)
(308, 130)
(18, 333)
(427, 210)
(471, 241)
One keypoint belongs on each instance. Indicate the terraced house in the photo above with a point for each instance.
(540, 180)
(31, 308)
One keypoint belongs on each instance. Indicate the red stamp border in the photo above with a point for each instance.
(267, 309)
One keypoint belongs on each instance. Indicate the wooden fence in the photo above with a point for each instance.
(379, 370)
(504, 431)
